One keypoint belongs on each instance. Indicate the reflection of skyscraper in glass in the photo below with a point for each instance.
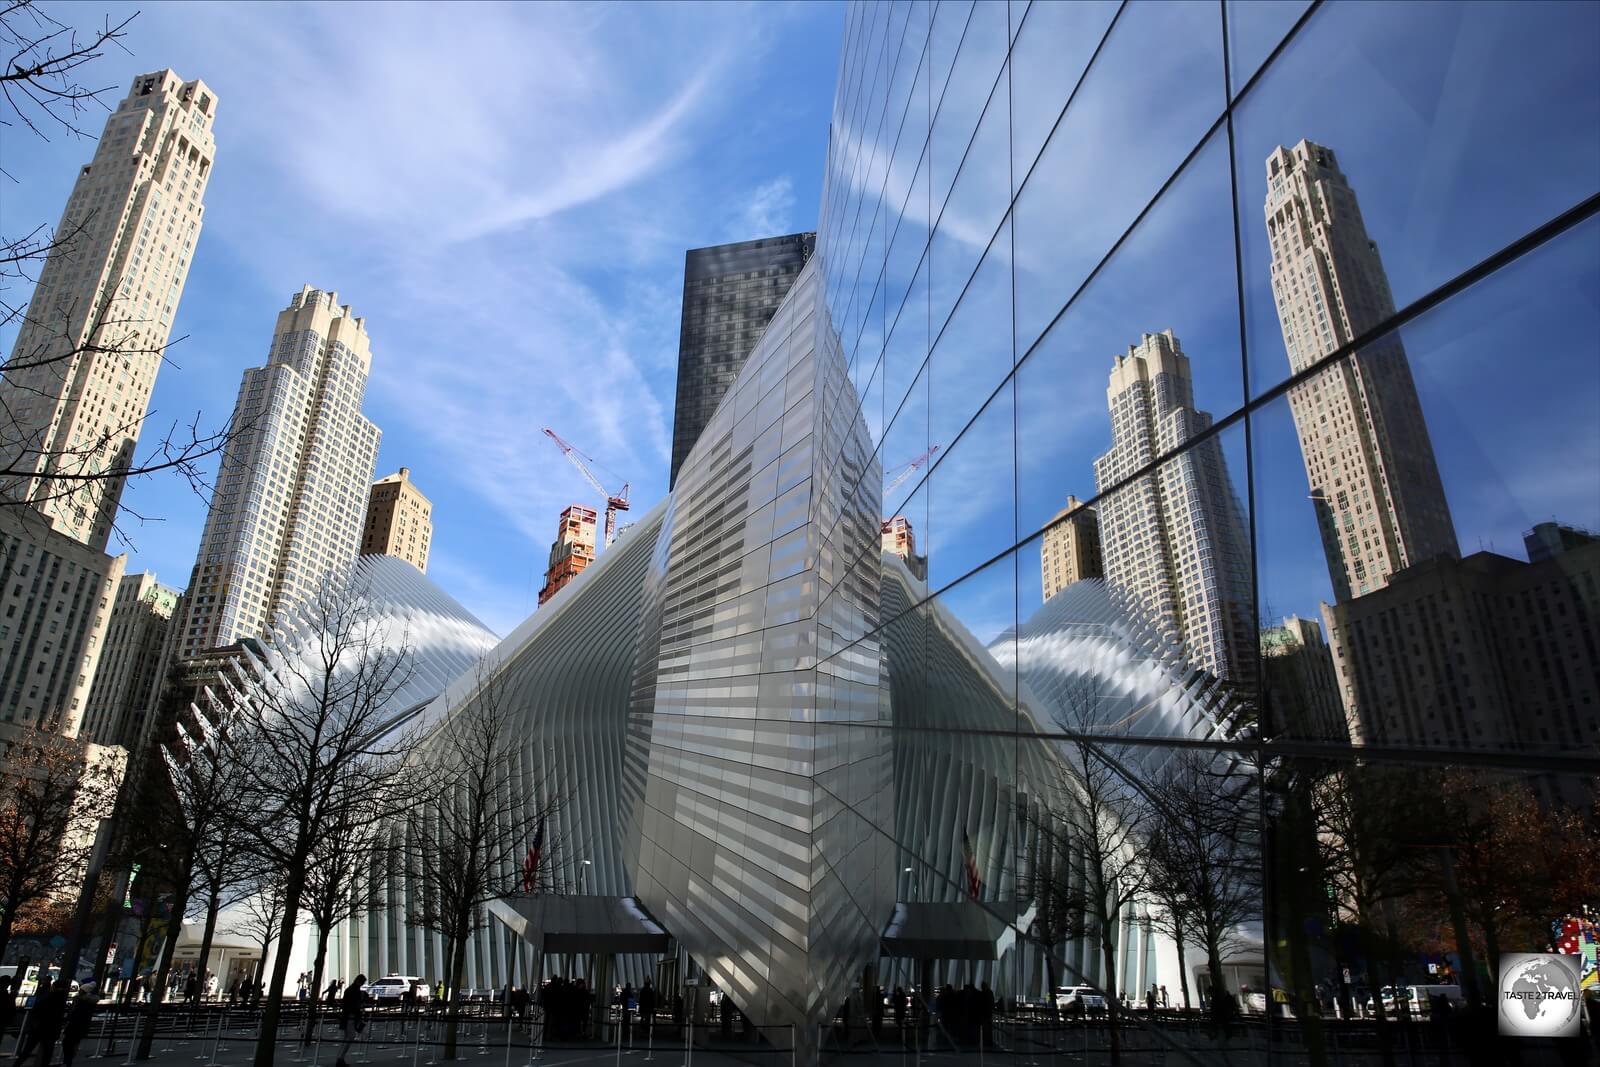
(1174, 541)
(1070, 551)
(1380, 504)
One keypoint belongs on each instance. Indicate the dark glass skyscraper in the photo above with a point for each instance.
(729, 295)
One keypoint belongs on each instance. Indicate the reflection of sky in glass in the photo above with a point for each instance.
(1459, 127)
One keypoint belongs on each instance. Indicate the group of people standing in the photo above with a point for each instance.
(56, 1015)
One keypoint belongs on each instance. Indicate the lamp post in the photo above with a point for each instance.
(583, 876)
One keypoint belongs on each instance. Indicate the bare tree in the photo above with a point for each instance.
(45, 62)
(260, 912)
(52, 794)
(1204, 852)
(319, 745)
(205, 782)
(475, 842)
(349, 862)
(1100, 813)
(1051, 881)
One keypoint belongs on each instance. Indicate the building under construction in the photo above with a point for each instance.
(572, 551)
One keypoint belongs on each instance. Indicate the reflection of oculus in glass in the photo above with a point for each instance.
(1539, 995)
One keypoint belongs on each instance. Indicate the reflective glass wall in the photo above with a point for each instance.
(1234, 375)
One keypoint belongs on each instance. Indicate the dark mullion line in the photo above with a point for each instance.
(1530, 761)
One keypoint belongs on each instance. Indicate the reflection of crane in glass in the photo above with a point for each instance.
(894, 477)
(615, 502)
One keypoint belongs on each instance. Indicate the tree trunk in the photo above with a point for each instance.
(1108, 955)
(1221, 999)
(458, 965)
(1183, 966)
(213, 905)
(316, 985)
(6, 922)
(266, 1044)
(180, 904)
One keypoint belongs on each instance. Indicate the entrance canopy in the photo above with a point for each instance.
(963, 931)
(559, 923)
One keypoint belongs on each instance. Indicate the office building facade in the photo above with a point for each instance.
(86, 356)
(292, 493)
(131, 661)
(729, 294)
(55, 606)
(399, 521)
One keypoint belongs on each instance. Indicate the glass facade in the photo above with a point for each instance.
(730, 292)
(1299, 299)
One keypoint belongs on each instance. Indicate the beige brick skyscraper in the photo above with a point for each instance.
(1380, 503)
(79, 381)
(399, 521)
(1070, 551)
(292, 492)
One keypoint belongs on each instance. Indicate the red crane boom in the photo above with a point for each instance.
(615, 502)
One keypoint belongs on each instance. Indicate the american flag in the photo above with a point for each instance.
(530, 862)
(969, 867)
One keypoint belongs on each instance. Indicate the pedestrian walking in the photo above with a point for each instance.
(332, 993)
(43, 1027)
(647, 1008)
(1165, 1003)
(352, 1016)
(191, 989)
(79, 1016)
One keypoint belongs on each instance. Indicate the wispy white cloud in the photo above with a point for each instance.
(769, 211)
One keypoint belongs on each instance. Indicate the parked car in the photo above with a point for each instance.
(391, 989)
(1079, 1000)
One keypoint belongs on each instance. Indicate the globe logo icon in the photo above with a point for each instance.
(1539, 995)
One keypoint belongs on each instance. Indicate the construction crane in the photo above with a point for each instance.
(615, 502)
(899, 474)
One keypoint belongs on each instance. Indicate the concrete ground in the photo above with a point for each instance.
(217, 1038)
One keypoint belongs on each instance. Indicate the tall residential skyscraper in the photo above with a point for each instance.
(1380, 504)
(572, 551)
(85, 360)
(292, 492)
(1175, 540)
(1070, 551)
(124, 683)
(729, 295)
(399, 521)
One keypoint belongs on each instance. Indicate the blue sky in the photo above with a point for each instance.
(505, 193)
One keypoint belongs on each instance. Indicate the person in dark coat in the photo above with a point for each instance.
(191, 989)
(43, 1027)
(647, 1007)
(79, 1017)
(8, 1005)
(352, 1015)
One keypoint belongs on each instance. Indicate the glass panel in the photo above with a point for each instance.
(1414, 169)
(977, 204)
(1254, 30)
(1448, 558)
(1163, 645)
(976, 74)
(1131, 124)
(910, 237)
(1175, 272)
(972, 495)
(973, 353)
(905, 357)
(1052, 50)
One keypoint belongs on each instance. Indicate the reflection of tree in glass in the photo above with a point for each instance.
(1204, 854)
